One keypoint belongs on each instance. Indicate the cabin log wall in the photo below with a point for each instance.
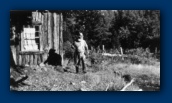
(51, 37)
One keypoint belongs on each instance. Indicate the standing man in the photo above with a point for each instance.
(81, 48)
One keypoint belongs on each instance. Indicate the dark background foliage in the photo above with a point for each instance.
(128, 29)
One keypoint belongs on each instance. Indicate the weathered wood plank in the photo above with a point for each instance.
(39, 16)
(55, 31)
(17, 54)
(58, 33)
(33, 16)
(52, 30)
(20, 60)
(38, 59)
(40, 39)
(23, 60)
(45, 23)
(18, 49)
(22, 41)
(41, 60)
(35, 59)
(31, 59)
(49, 31)
(27, 59)
(61, 37)
(42, 34)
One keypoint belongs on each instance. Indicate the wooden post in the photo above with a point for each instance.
(121, 53)
(121, 50)
(103, 48)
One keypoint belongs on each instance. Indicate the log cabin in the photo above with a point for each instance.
(38, 32)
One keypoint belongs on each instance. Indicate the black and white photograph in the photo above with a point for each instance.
(84, 50)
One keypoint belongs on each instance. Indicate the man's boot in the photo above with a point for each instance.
(77, 69)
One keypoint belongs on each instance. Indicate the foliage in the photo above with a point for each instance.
(68, 51)
(115, 28)
(133, 27)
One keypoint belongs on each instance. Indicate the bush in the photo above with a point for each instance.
(140, 55)
(140, 52)
(68, 51)
(134, 56)
(95, 58)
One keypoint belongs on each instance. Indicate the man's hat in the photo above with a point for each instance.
(80, 35)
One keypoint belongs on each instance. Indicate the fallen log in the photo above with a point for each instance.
(111, 55)
(128, 84)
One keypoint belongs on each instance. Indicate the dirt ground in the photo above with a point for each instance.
(105, 76)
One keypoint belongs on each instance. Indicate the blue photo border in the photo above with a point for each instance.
(165, 93)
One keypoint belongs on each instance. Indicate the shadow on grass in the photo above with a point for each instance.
(147, 85)
(15, 83)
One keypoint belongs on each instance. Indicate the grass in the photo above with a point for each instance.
(104, 74)
(147, 76)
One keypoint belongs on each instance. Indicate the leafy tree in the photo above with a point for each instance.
(115, 28)
(133, 28)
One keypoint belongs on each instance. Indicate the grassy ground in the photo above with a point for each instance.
(106, 74)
